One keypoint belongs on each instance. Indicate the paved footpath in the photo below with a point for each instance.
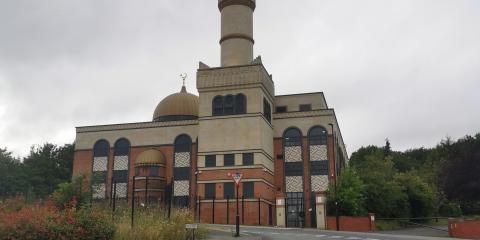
(272, 233)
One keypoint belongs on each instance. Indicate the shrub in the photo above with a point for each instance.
(349, 195)
(65, 192)
(46, 221)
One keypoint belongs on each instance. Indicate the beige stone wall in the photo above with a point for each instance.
(260, 158)
(146, 136)
(292, 102)
(237, 20)
(254, 99)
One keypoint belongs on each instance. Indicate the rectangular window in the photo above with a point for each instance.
(267, 110)
(229, 190)
(281, 109)
(228, 160)
(305, 107)
(248, 190)
(210, 161)
(247, 159)
(210, 191)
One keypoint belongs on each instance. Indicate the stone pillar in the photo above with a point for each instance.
(321, 201)
(280, 212)
(237, 32)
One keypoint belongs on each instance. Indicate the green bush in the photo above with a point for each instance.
(77, 189)
(349, 195)
(450, 209)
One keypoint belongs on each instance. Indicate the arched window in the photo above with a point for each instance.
(217, 106)
(292, 148)
(120, 167)
(317, 141)
(240, 104)
(182, 171)
(229, 105)
(101, 150)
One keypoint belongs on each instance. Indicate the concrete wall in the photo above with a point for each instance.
(292, 102)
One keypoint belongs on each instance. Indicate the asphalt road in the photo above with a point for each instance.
(309, 234)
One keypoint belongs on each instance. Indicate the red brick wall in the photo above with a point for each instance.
(352, 224)
(460, 228)
(82, 162)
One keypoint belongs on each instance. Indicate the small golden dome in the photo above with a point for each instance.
(150, 157)
(176, 107)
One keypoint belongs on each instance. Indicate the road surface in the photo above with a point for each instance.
(269, 233)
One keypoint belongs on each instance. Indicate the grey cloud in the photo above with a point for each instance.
(406, 70)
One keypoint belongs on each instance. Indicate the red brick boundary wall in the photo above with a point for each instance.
(352, 224)
(460, 228)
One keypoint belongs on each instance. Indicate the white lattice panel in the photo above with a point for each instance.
(98, 191)
(319, 183)
(120, 163)
(121, 190)
(100, 164)
(318, 152)
(293, 154)
(182, 159)
(181, 188)
(294, 184)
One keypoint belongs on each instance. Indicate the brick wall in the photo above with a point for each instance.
(352, 224)
(460, 228)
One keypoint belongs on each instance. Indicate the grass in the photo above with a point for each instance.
(153, 223)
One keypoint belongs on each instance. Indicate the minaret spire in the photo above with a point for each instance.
(237, 31)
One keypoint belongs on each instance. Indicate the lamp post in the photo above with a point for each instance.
(337, 220)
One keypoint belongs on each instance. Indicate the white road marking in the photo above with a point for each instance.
(320, 235)
(335, 237)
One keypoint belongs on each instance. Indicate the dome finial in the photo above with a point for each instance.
(183, 76)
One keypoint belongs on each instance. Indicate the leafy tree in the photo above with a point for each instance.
(421, 197)
(349, 195)
(387, 149)
(47, 166)
(12, 178)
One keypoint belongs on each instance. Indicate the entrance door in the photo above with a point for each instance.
(295, 210)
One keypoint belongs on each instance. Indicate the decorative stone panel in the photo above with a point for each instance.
(319, 183)
(120, 163)
(318, 152)
(98, 191)
(294, 184)
(182, 159)
(121, 190)
(100, 164)
(293, 154)
(181, 188)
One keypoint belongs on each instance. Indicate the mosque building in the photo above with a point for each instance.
(288, 148)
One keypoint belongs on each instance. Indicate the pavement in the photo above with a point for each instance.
(225, 232)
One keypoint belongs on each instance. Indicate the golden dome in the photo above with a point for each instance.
(150, 157)
(178, 106)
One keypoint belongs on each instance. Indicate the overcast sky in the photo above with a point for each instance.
(407, 70)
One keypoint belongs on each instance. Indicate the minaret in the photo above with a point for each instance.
(237, 32)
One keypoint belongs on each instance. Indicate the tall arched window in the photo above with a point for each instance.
(101, 150)
(240, 104)
(120, 167)
(292, 148)
(217, 106)
(182, 171)
(317, 141)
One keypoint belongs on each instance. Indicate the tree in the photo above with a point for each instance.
(387, 149)
(47, 166)
(12, 177)
(421, 197)
(349, 195)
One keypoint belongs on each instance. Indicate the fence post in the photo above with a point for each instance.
(133, 201)
(114, 198)
(259, 223)
(146, 191)
(199, 209)
(243, 209)
(213, 211)
(228, 209)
